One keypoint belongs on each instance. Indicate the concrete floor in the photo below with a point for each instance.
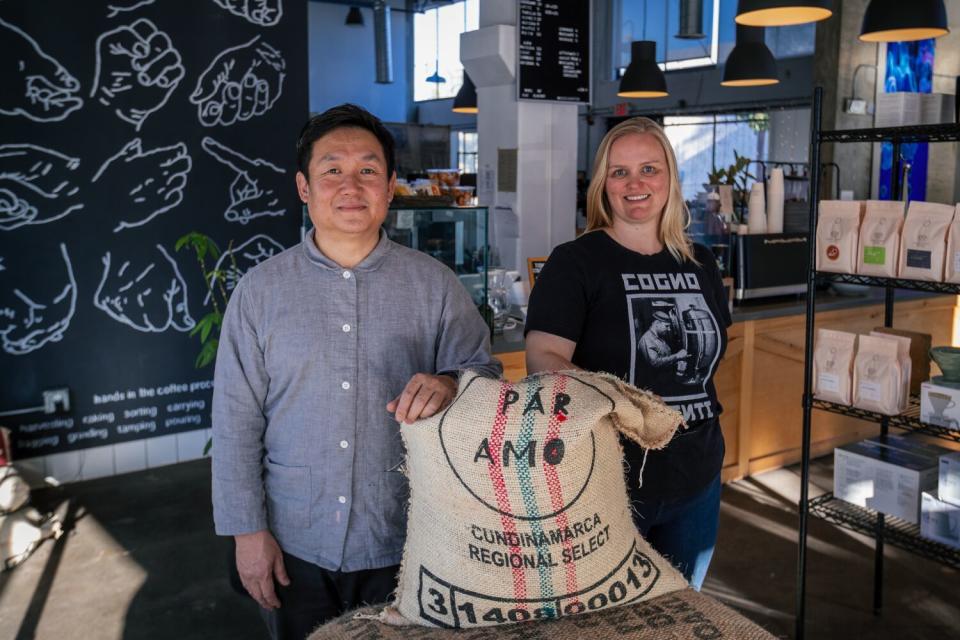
(141, 562)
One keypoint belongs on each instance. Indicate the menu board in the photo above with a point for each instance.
(124, 125)
(553, 50)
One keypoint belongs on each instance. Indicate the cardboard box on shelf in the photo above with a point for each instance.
(948, 488)
(940, 521)
(940, 405)
(883, 478)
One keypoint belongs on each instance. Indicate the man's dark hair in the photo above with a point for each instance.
(345, 115)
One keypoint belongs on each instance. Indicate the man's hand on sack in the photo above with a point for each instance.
(259, 560)
(423, 397)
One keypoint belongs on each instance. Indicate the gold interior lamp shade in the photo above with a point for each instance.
(782, 13)
(904, 20)
(643, 77)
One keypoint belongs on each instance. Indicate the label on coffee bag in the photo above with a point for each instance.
(869, 391)
(875, 255)
(919, 259)
(829, 382)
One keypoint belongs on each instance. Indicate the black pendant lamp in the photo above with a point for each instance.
(643, 78)
(782, 13)
(691, 20)
(903, 21)
(354, 17)
(750, 64)
(466, 100)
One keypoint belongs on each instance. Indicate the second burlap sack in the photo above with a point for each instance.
(518, 508)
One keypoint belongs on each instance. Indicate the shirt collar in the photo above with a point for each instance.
(372, 262)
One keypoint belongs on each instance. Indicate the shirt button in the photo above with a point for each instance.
(344, 444)
(344, 385)
(346, 275)
(346, 328)
(342, 500)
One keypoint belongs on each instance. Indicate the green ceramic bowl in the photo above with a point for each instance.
(948, 359)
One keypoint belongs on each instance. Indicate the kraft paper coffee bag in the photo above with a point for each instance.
(952, 262)
(518, 504)
(923, 244)
(877, 380)
(833, 366)
(879, 245)
(838, 231)
(906, 365)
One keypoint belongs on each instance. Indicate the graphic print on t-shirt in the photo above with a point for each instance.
(677, 337)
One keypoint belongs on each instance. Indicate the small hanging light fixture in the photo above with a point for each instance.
(902, 21)
(750, 64)
(643, 78)
(466, 100)
(354, 17)
(691, 20)
(782, 13)
(436, 78)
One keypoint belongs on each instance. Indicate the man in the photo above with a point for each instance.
(318, 344)
(654, 345)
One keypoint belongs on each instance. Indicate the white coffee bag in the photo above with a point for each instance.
(877, 378)
(838, 230)
(952, 266)
(923, 244)
(906, 365)
(833, 366)
(879, 246)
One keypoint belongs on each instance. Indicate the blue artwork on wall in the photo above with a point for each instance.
(909, 68)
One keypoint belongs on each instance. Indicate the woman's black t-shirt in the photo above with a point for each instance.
(654, 322)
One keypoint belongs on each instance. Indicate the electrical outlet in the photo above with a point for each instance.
(53, 397)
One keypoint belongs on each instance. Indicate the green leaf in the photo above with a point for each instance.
(208, 353)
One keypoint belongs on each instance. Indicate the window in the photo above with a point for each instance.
(443, 57)
(659, 20)
(467, 151)
(704, 142)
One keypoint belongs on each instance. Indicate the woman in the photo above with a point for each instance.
(636, 298)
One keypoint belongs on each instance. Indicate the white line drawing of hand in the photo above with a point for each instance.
(137, 68)
(153, 181)
(240, 259)
(150, 297)
(27, 324)
(33, 84)
(252, 192)
(117, 7)
(37, 185)
(240, 83)
(265, 13)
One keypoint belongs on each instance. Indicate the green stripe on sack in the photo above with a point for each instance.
(530, 496)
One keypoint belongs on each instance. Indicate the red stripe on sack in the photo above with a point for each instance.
(495, 469)
(556, 491)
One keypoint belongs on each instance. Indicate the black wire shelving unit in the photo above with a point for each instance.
(827, 507)
(909, 420)
(898, 533)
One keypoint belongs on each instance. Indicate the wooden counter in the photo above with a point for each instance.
(760, 381)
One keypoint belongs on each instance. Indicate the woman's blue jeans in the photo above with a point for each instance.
(683, 531)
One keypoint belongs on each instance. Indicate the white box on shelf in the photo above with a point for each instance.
(948, 488)
(937, 108)
(940, 405)
(883, 478)
(940, 521)
(897, 109)
(912, 444)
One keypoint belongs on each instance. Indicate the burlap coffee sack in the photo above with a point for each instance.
(679, 615)
(518, 506)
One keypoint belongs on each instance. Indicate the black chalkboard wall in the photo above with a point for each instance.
(125, 124)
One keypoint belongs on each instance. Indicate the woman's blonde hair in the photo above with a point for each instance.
(676, 216)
